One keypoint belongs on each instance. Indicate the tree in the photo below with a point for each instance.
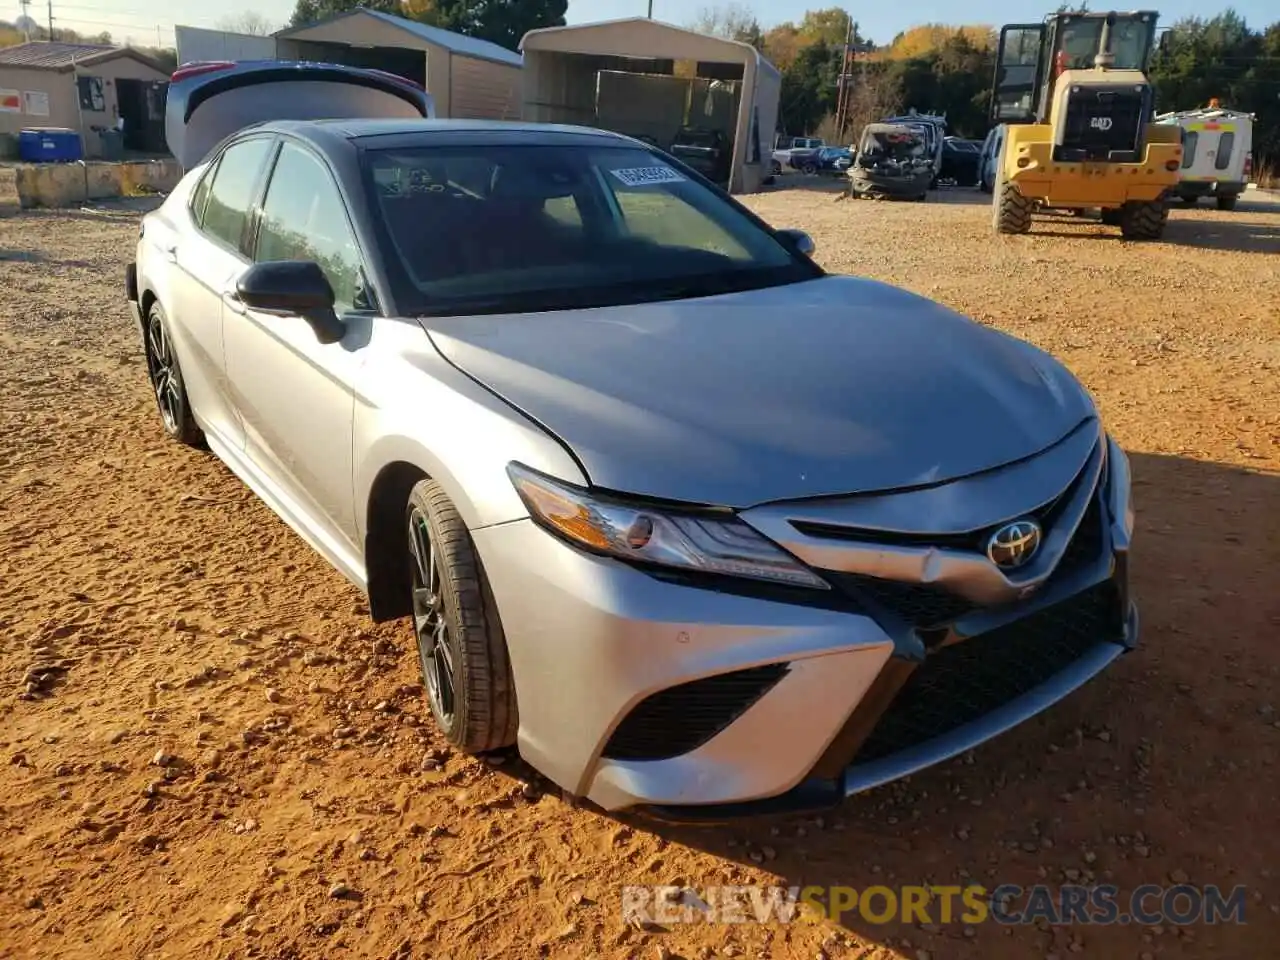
(829, 26)
(250, 22)
(166, 57)
(782, 44)
(874, 93)
(733, 21)
(504, 22)
(808, 89)
(930, 37)
(310, 11)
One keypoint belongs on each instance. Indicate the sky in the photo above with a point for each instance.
(127, 21)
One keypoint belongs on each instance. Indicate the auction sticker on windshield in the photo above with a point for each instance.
(645, 176)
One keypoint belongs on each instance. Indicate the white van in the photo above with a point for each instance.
(989, 162)
(1217, 153)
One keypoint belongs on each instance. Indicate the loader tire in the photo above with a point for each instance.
(1143, 220)
(1012, 212)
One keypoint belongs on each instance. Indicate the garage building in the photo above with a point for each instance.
(83, 87)
(467, 78)
(649, 79)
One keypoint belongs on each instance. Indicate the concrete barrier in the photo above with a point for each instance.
(71, 184)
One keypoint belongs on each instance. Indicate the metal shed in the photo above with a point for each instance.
(648, 79)
(467, 78)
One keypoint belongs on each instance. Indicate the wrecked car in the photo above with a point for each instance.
(893, 162)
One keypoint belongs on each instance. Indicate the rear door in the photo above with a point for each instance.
(210, 101)
(205, 255)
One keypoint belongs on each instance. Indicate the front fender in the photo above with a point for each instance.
(412, 406)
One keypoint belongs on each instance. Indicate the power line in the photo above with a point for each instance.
(117, 23)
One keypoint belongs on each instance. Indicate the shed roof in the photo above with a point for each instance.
(643, 37)
(453, 42)
(56, 55)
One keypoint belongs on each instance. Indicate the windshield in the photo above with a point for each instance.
(1079, 40)
(511, 228)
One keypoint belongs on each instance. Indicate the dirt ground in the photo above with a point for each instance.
(222, 738)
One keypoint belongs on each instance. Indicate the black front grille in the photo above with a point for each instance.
(1104, 123)
(964, 681)
(674, 721)
(923, 605)
(1087, 542)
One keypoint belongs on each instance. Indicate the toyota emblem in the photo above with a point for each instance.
(1014, 544)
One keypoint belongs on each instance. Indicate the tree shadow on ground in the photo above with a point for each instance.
(1147, 773)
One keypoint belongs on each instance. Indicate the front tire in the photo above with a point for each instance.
(167, 384)
(461, 647)
(1227, 201)
(1143, 220)
(1011, 211)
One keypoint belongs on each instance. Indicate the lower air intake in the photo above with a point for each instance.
(675, 721)
(965, 681)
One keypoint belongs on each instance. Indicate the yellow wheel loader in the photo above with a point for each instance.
(1079, 108)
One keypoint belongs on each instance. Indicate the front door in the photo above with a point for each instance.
(294, 393)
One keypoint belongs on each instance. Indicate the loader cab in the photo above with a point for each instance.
(1031, 57)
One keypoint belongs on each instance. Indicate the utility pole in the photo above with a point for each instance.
(650, 9)
(50, 19)
(842, 97)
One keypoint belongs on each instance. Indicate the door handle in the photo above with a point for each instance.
(232, 301)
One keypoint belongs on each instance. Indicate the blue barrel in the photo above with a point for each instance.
(49, 145)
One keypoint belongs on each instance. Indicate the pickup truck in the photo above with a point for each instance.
(708, 151)
(800, 153)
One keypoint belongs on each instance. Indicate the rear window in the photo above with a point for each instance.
(503, 228)
(698, 138)
(1225, 144)
(1190, 140)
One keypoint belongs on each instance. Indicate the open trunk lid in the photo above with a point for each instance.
(210, 101)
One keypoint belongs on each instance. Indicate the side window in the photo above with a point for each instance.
(304, 218)
(232, 190)
(1189, 141)
(200, 195)
(1225, 143)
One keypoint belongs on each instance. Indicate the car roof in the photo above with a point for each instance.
(411, 132)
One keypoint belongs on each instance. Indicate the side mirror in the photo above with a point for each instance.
(797, 240)
(293, 288)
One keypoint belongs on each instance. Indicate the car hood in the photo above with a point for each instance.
(831, 386)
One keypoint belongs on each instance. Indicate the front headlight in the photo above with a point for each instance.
(704, 543)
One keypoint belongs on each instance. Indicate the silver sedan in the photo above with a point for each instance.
(692, 523)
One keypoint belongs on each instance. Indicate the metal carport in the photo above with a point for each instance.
(645, 78)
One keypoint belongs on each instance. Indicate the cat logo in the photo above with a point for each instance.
(1100, 123)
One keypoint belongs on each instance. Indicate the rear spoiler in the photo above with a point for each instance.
(280, 70)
